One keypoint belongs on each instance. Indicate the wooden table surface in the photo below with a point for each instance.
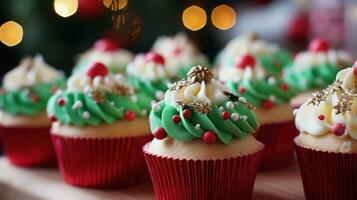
(46, 184)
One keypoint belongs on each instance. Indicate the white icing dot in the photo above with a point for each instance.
(295, 111)
(134, 99)
(87, 89)
(86, 115)
(234, 116)
(112, 103)
(271, 80)
(272, 98)
(230, 105)
(197, 127)
(243, 117)
(77, 105)
(242, 99)
(152, 102)
(159, 94)
(155, 107)
(221, 108)
(144, 112)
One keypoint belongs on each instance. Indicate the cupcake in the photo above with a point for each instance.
(180, 54)
(272, 58)
(203, 146)
(327, 144)
(99, 129)
(249, 79)
(314, 69)
(105, 51)
(23, 120)
(149, 74)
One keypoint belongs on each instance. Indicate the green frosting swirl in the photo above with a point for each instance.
(197, 123)
(29, 101)
(92, 113)
(257, 91)
(149, 87)
(316, 77)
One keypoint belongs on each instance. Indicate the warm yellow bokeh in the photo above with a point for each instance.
(223, 17)
(115, 4)
(11, 33)
(65, 8)
(194, 18)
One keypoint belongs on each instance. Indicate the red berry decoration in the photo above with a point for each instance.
(284, 86)
(177, 51)
(129, 115)
(319, 45)
(54, 89)
(52, 118)
(186, 113)
(241, 90)
(268, 104)
(209, 137)
(97, 69)
(321, 117)
(176, 119)
(34, 98)
(106, 45)
(245, 61)
(160, 133)
(61, 102)
(225, 115)
(155, 57)
(338, 129)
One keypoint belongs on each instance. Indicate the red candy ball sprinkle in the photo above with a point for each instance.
(209, 137)
(177, 51)
(160, 133)
(321, 117)
(61, 102)
(155, 57)
(241, 90)
(129, 115)
(225, 115)
(97, 69)
(245, 61)
(106, 45)
(268, 104)
(176, 119)
(338, 129)
(34, 98)
(284, 86)
(319, 45)
(52, 118)
(186, 113)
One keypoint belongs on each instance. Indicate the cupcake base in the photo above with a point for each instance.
(101, 162)
(279, 146)
(231, 178)
(327, 176)
(28, 146)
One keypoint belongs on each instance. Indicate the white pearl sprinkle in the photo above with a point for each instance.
(77, 105)
(159, 94)
(156, 107)
(134, 99)
(295, 111)
(87, 89)
(271, 80)
(144, 112)
(234, 116)
(230, 105)
(197, 127)
(152, 102)
(243, 117)
(86, 115)
(112, 103)
(242, 99)
(272, 98)
(221, 108)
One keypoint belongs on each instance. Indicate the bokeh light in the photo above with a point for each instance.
(11, 33)
(223, 17)
(194, 18)
(115, 4)
(65, 8)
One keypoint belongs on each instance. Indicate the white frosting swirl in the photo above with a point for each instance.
(307, 116)
(30, 72)
(306, 60)
(146, 70)
(178, 52)
(83, 83)
(210, 93)
(235, 74)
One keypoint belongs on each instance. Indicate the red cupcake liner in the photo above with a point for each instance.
(203, 179)
(28, 146)
(327, 176)
(101, 162)
(279, 146)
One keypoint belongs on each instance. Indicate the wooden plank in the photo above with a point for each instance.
(46, 184)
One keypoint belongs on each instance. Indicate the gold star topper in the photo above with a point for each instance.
(198, 74)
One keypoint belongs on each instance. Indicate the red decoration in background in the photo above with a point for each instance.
(268, 104)
(245, 61)
(160, 133)
(241, 90)
(176, 119)
(298, 28)
(225, 115)
(61, 102)
(97, 69)
(155, 57)
(284, 86)
(52, 118)
(129, 115)
(209, 137)
(355, 68)
(34, 98)
(186, 113)
(90, 9)
(319, 45)
(106, 44)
